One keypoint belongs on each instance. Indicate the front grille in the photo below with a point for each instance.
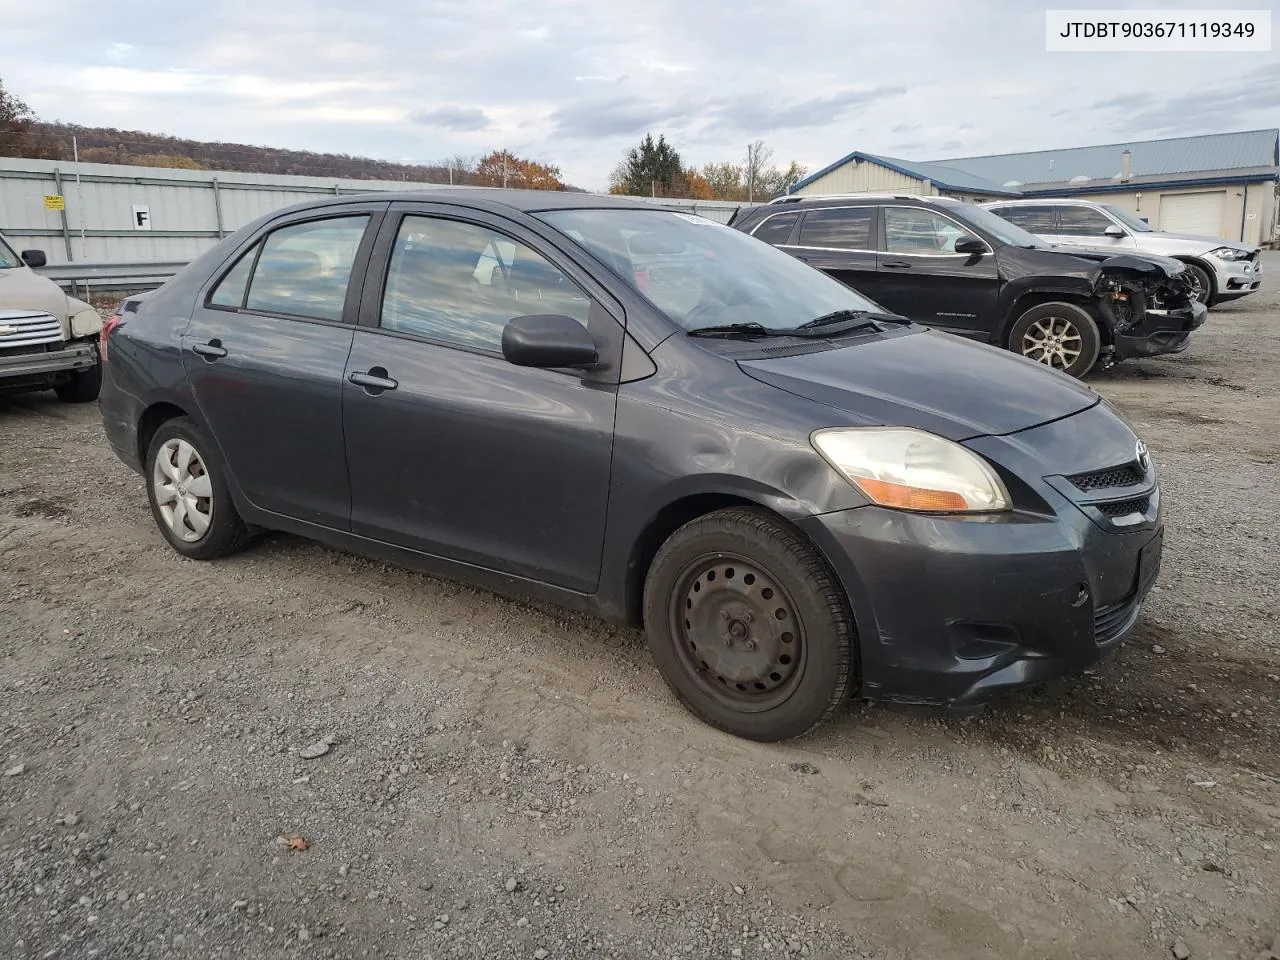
(1122, 508)
(30, 331)
(1123, 476)
(1111, 621)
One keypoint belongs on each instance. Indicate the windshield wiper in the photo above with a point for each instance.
(849, 319)
(738, 330)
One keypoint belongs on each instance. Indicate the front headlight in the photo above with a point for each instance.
(909, 469)
(1229, 253)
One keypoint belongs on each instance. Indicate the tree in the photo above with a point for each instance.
(649, 168)
(759, 162)
(697, 186)
(16, 119)
(502, 168)
(775, 181)
(725, 180)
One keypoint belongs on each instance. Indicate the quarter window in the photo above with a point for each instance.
(777, 229)
(459, 283)
(848, 228)
(304, 269)
(1082, 222)
(230, 289)
(1042, 220)
(915, 230)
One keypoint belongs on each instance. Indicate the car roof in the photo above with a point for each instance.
(490, 197)
(1032, 201)
(845, 198)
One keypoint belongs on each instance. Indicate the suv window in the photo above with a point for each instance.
(1043, 219)
(776, 229)
(845, 228)
(8, 258)
(303, 269)
(1082, 221)
(459, 283)
(915, 230)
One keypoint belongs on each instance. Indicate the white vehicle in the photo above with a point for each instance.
(1220, 269)
(47, 339)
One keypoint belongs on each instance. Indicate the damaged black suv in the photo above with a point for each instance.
(962, 269)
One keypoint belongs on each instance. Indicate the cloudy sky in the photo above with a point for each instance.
(576, 82)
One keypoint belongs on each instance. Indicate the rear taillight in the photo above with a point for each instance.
(108, 326)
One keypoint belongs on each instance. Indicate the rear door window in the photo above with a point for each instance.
(304, 269)
(842, 228)
(1033, 219)
(776, 229)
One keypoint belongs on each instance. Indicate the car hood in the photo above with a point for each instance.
(1114, 257)
(1205, 243)
(24, 289)
(950, 386)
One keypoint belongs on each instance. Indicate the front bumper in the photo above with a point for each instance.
(36, 368)
(1237, 278)
(1160, 332)
(952, 611)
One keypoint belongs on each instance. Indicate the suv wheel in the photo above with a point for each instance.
(1201, 283)
(1059, 335)
(749, 626)
(82, 387)
(188, 494)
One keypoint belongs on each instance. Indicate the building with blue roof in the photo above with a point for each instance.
(1224, 184)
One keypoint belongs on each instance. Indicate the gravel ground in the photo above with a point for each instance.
(489, 779)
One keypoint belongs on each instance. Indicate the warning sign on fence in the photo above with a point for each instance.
(55, 201)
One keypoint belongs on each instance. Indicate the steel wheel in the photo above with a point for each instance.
(183, 490)
(1054, 341)
(737, 632)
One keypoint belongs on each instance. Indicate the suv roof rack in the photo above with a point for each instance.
(794, 198)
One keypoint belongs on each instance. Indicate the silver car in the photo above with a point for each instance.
(1220, 269)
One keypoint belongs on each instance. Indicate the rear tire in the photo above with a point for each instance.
(188, 493)
(749, 626)
(1060, 335)
(83, 386)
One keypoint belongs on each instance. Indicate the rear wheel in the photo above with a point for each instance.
(188, 494)
(1059, 335)
(83, 386)
(749, 626)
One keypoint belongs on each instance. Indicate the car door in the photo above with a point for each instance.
(265, 353)
(921, 276)
(1081, 226)
(453, 451)
(841, 242)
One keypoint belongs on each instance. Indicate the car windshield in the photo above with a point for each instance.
(8, 259)
(1128, 219)
(997, 226)
(700, 273)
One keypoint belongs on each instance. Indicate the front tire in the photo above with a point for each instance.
(1201, 282)
(1059, 335)
(82, 387)
(749, 626)
(188, 494)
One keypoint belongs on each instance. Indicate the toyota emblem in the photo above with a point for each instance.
(1143, 457)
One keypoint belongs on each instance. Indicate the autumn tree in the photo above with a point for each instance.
(16, 119)
(725, 180)
(649, 168)
(502, 168)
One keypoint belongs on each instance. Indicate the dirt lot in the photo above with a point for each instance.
(503, 781)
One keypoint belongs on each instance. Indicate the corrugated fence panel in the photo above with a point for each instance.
(181, 207)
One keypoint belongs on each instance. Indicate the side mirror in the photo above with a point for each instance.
(1114, 230)
(970, 245)
(34, 258)
(548, 340)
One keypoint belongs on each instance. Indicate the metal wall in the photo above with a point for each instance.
(188, 210)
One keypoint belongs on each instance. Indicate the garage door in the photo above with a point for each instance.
(1193, 213)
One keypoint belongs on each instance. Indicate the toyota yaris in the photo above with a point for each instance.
(652, 417)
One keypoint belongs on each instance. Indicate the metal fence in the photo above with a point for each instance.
(94, 217)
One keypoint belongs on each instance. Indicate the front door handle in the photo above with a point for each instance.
(211, 350)
(375, 381)
(896, 265)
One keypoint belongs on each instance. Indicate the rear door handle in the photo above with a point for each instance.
(375, 381)
(896, 265)
(211, 350)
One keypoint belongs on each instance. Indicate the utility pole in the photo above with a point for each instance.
(751, 177)
(75, 156)
(504, 173)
